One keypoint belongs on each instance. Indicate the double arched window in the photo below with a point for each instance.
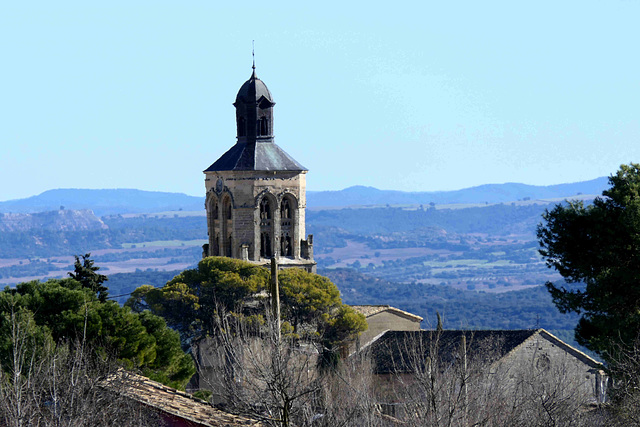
(213, 224)
(276, 230)
(286, 227)
(220, 225)
(227, 227)
(266, 228)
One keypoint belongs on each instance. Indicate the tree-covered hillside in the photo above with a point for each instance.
(498, 219)
(525, 309)
(28, 238)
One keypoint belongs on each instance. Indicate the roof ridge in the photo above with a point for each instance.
(362, 308)
(577, 353)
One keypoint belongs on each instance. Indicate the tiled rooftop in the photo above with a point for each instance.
(173, 402)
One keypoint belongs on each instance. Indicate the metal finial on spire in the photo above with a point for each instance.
(253, 53)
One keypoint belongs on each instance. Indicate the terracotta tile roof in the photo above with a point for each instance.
(171, 401)
(370, 310)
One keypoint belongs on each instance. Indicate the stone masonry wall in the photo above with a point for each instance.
(246, 188)
(541, 359)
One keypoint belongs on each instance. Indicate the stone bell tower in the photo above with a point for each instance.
(256, 193)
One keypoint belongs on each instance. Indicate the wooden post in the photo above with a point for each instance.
(275, 294)
(465, 396)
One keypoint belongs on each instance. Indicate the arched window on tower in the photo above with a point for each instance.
(285, 245)
(285, 212)
(213, 224)
(263, 126)
(286, 227)
(216, 245)
(265, 244)
(265, 209)
(226, 229)
(214, 227)
(242, 127)
(266, 228)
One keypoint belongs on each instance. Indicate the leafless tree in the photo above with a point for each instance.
(347, 395)
(59, 384)
(624, 404)
(251, 369)
(438, 382)
(426, 383)
(534, 391)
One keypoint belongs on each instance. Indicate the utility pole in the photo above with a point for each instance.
(275, 294)
(465, 391)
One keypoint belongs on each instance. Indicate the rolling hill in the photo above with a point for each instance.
(488, 193)
(125, 201)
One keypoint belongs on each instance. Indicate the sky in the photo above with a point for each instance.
(407, 95)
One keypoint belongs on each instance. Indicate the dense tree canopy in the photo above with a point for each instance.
(598, 247)
(63, 309)
(189, 302)
(306, 296)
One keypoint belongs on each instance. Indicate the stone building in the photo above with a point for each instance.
(518, 366)
(255, 192)
(383, 318)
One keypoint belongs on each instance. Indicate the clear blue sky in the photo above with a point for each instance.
(402, 95)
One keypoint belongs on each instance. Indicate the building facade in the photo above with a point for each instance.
(380, 319)
(494, 373)
(256, 192)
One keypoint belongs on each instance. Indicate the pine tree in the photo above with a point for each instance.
(86, 273)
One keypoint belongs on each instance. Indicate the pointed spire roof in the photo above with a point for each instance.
(263, 155)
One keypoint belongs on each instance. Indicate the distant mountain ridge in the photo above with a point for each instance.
(60, 220)
(105, 201)
(123, 201)
(487, 193)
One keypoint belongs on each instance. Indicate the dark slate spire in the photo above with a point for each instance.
(255, 149)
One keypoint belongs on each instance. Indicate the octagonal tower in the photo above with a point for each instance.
(256, 193)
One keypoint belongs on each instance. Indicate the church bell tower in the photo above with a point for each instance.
(255, 192)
